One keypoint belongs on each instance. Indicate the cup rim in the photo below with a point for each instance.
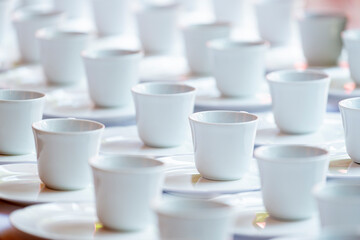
(192, 117)
(260, 154)
(115, 53)
(39, 98)
(158, 167)
(275, 76)
(56, 33)
(158, 6)
(207, 25)
(321, 192)
(24, 13)
(36, 126)
(232, 44)
(137, 89)
(345, 103)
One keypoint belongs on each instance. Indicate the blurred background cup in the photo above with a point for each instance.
(223, 143)
(125, 188)
(72, 8)
(5, 13)
(238, 66)
(111, 16)
(64, 148)
(299, 99)
(61, 55)
(27, 21)
(111, 73)
(351, 40)
(195, 37)
(194, 219)
(231, 11)
(274, 20)
(338, 204)
(18, 110)
(288, 174)
(321, 37)
(350, 113)
(162, 111)
(157, 26)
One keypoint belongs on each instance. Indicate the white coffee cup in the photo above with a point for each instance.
(162, 110)
(18, 110)
(338, 204)
(238, 66)
(157, 26)
(321, 37)
(27, 21)
(223, 143)
(194, 219)
(195, 38)
(351, 40)
(299, 99)
(60, 55)
(111, 16)
(64, 148)
(125, 188)
(232, 11)
(274, 20)
(111, 73)
(350, 114)
(288, 174)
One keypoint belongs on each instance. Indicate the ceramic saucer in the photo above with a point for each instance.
(209, 98)
(342, 167)
(187, 181)
(77, 104)
(20, 183)
(331, 133)
(125, 140)
(69, 221)
(26, 158)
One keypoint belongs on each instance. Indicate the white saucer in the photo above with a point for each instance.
(26, 158)
(77, 104)
(257, 224)
(20, 183)
(187, 181)
(69, 221)
(342, 167)
(209, 98)
(125, 140)
(330, 134)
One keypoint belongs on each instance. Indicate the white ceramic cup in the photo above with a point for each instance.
(194, 219)
(223, 143)
(231, 11)
(338, 204)
(18, 110)
(64, 148)
(274, 20)
(125, 188)
(27, 21)
(351, 40)
(238, 66)
(111, 16)
(195, 38)
(61, 55)
(111, 73)
(288, 174)
(161, 112)
(157, 26)
(321, 37)
(299, 99)
(350, 114)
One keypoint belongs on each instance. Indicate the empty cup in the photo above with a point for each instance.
(60, 55)
(238, 66)
(125, 188)
(195, 37)
(321, 37)
(64, 148)
(223, 143)
(162, 110)
(27, 21)
(111, 73)
(19, 110)
(351, 40)
(288, 174)
(194, 219)
(299, 99)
